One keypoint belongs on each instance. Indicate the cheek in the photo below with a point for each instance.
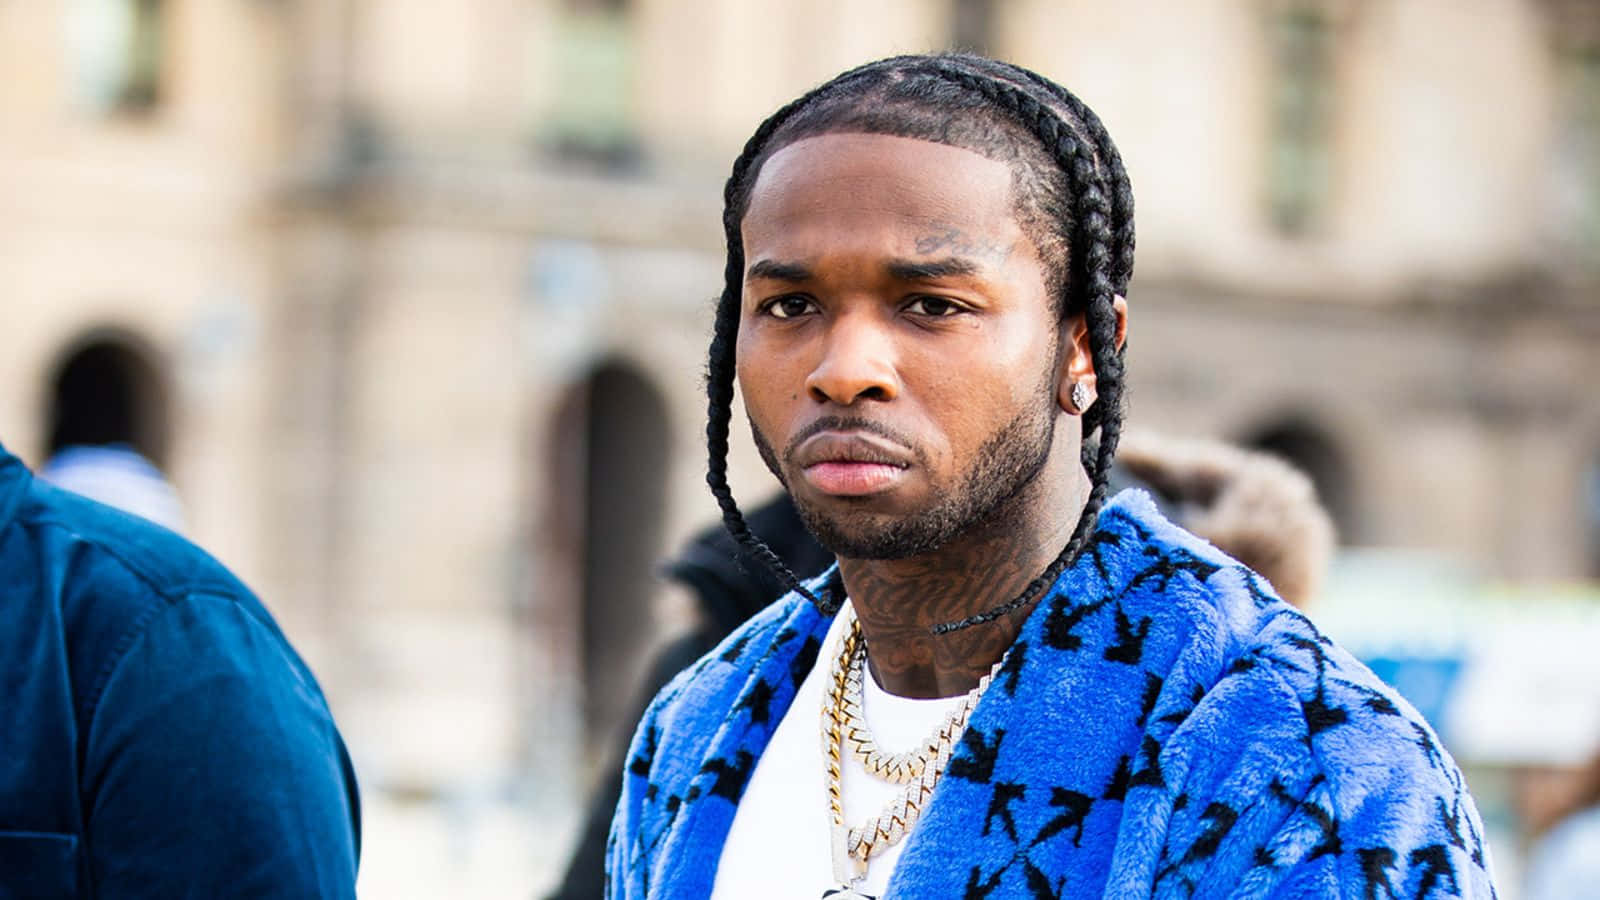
(1024, 364)
(975, 393)
(961, 398)
(752, 363)
(764, 379)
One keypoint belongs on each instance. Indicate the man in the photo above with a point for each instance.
(1021, 691)
(159, 736)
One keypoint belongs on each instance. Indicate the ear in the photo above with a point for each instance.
(1077, 362)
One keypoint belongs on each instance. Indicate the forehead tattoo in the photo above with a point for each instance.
(952, 239)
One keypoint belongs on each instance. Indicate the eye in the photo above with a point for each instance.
(789, 306)
(934, 307)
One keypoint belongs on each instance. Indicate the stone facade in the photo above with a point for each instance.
(384, 297)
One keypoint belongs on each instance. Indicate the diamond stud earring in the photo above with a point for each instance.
(1080, 397)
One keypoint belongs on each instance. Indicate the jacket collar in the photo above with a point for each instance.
(14, 478)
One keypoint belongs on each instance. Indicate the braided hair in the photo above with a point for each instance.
(1072, 200)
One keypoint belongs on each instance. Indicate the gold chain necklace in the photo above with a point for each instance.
(918, 769)
(895, 768)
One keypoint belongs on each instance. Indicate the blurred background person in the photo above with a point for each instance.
(116, 475)
(1253, 506)
(161, 737)
(728, 587)
(420, 346)
(92, 442)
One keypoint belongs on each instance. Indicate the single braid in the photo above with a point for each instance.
(720, 368)
(1099, 238)
(1116, 176)
(1116, 179)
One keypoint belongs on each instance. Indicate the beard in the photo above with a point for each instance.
(1005, 464)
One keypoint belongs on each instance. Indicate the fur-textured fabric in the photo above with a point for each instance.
(1163, 726)
(1259, 509)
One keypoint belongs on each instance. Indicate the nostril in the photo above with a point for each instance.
(875, 392)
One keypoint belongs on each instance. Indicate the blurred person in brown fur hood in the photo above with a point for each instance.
(1255, 507)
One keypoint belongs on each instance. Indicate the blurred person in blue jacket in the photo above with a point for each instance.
(159, 737)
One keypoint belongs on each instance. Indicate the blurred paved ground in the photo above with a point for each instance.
(476, 851)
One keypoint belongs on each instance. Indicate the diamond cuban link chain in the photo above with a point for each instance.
(919, 769)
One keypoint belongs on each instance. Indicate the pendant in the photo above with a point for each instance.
(847, 869)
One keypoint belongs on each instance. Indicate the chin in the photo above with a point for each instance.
(873, 536)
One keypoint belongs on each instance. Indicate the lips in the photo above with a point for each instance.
(851, 464)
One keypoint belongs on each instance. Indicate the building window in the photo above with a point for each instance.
(1577, 165)
(1299, 167)
(1573, 174)
(608, 513)
(118, 50)
(972, 25)
(592, 61)
(108, 388)
(1311, 450)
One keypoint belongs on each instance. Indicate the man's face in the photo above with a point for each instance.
(897, 344)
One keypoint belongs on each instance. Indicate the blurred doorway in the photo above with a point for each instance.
(109, 388)
(108, 427)
(1310, 449)
(612, 434)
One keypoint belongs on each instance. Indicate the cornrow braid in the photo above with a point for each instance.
(1116, 179)
(1081, 209)
(1121, 190)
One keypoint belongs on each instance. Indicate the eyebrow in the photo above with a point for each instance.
(793, 273)
(931, 270)
(899, 269)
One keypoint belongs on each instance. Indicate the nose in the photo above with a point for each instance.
(857, 364)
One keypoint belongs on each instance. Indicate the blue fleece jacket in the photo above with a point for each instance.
(1163, 726)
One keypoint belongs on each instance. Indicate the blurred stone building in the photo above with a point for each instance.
(413, 294)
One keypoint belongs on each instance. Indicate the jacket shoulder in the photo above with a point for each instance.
(1355, 779)
(110, 577)
(67, 528)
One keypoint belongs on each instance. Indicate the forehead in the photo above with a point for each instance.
(877, 188)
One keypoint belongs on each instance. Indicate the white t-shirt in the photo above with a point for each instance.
(779, 844)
